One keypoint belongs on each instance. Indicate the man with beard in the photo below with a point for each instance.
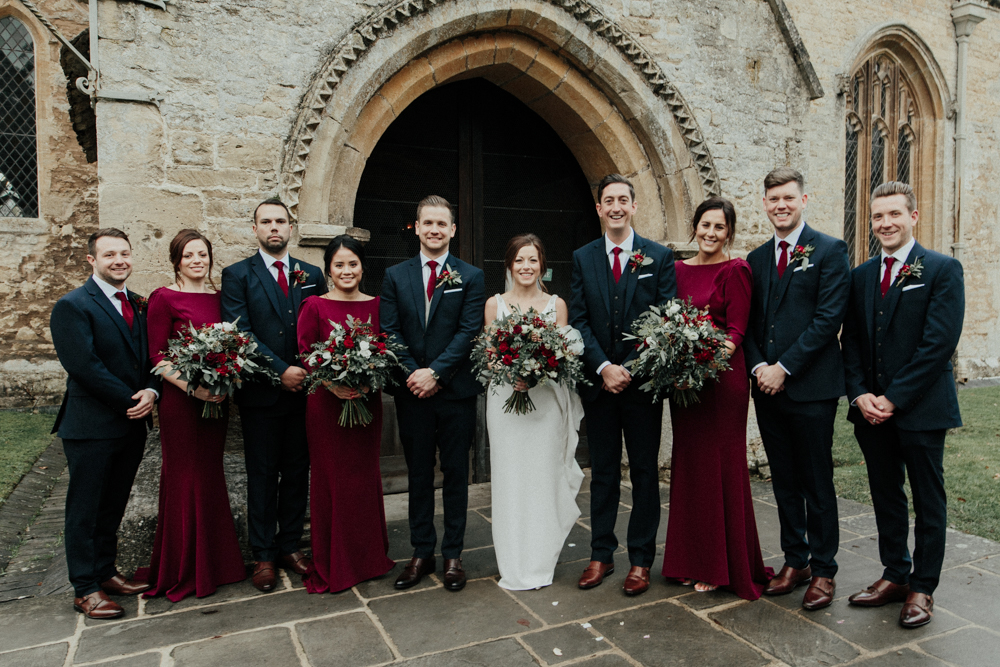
(262, 294)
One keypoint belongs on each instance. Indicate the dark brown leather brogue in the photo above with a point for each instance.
(595, 573)
(918, 610)
(454, 575)
(98, 605)
(414, 572)
(637, 581)
(819, 595)
(265, 579)
(882, 592)
(119, 585)
(296, 562)
(787, 580)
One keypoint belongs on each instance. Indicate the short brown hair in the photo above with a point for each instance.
(890, 188)
(273, 201)
(180, 242)
(435, 200)
(614, 178)
(783, 175)
(101, 233)
(514, 246)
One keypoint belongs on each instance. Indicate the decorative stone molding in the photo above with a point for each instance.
(797, 47)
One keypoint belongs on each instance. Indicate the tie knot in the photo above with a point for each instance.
(432, 264)
(279, 264)
(889, 261)
(783, 245)
(121, 296)
(616, 250)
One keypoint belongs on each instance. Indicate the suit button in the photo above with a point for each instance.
(281, 333)
(771, 341)
(878, 328)
(880, 312)
(880, 375)
(289, 311)
(135, 366)
(616, 298)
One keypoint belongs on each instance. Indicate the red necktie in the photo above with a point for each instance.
(887, 278)
(282, 280)
(616, 269)
(432, 281)
(126, 309)
(783, 259)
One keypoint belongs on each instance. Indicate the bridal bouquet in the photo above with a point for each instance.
(218, 357)
(680, 350)
(353, 356)
(524, 346)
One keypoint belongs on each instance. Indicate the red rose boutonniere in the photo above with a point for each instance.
(299, 277)
(801, 255)
(914, 270)
(637, 260)
(448, 277)
(141, 303)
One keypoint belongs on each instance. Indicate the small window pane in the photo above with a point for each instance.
(903, 158)
(851, 194)
(18, 143)
(877, 178)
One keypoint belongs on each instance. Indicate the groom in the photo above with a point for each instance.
(615, 279)
(433, 304)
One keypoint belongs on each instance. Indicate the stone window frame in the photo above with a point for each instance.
(6, 185)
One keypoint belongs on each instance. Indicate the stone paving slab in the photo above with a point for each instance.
(904, 658)
(273, 646)
(358, 640)
(972, 647)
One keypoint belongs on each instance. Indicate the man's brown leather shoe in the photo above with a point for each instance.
(119, 585)
(414, 572)
(97, 605)
(637, 581)
(819, 594)
(787, 580)
(595, 573)
(264, 577)
(454, 575)
(296, 562)
(880, 593)
(917, 610)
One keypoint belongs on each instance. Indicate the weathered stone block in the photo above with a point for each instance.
(238, 179)
(408, 84)
(259, 152)
(192, 148)
(133, 147)
(448, 60)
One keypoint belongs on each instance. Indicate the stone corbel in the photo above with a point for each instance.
(318, 235)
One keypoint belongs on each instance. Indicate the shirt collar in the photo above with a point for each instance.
(901, 254)
(793, 238)
(269, 261)
(109, 290)
(626, 245)
(441, 261)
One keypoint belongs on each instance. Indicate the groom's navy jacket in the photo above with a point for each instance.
(901, 346)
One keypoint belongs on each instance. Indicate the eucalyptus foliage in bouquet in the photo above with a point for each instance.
(680, 350)
(526, 346)
(353, 356)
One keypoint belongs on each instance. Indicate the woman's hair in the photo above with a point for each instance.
(342, 241)
(514, 246)
(177, 247)
(728, 210)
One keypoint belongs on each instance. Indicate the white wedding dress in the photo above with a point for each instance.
(535, 477)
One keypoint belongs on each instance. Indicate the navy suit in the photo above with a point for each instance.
(603, 311)
(795, 320)
(273, 420)
(107, 364)
(900, 346)
(446, 421)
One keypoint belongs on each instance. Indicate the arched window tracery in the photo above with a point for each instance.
(18, 126)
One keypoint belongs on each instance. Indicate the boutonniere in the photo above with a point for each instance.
(140, 302)
(449, 278)
(910, 271)
(299, 277)
(638, 259)
(801, 255)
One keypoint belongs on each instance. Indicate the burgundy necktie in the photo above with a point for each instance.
(887, 278)
(616, 270)
(783, 259)
(282, 280)
(432, 281)
(126, 309)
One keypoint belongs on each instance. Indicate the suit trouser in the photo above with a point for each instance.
(798, 439)
(429, 427)
(101, 473)
(277, 461)
(892, 454)
(609, 416)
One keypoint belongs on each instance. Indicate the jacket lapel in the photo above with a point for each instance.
(105, 304)
(804, 238)
(766, 272)
(439, 288)
(871, 280)
(268, 281)
(140, 321)
(416, 273)
(632, 277)
(295, 290)
(600, 260)
(895, 289)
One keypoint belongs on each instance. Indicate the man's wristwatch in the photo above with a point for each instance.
(434, 375)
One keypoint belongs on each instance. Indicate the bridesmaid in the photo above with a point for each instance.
(196, 549)
(349, 536)
(711, 532)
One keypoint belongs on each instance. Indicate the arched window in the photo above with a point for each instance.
(18, 144)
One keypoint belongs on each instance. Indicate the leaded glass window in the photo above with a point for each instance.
(18, 141)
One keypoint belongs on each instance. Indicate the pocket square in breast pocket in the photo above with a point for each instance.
(645, 275)
(449, 291)
(803, 268)
(308, 286)
(909, 287)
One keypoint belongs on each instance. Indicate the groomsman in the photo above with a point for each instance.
(433, 304)
(903, 325)
(801, 281)
(99, 332)
(264, 292)
(615, 279)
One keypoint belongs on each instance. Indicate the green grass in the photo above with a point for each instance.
(971, 464)
(23, 436)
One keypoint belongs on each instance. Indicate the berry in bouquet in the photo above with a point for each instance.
(353, 356)
(526, 346)
(680, 351)
(218, 357)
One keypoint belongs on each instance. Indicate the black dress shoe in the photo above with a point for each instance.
(414, 572)
(454, 575)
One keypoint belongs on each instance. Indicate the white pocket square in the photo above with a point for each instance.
(449, 291)
(308, 286)
(645, 275)
(909, 287)
(803, 268)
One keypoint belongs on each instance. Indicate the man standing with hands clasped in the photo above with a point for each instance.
(902, 328)
(801, 281)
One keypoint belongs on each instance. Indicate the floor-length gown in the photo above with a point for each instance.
(711, 531)
(195, 549)
(535, 477)
(349, 536)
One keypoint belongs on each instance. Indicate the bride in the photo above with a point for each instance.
(535, 477)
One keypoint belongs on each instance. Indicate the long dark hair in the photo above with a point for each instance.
(177, 246)
(728, 210)
(343, 241)
(514, 246)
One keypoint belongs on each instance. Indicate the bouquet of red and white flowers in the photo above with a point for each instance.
(526, 346)
(680, 350)
(353, 356)
(218, 357)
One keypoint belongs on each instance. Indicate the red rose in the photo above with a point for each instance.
(517, 329)
(503, 347)
(349, 342)
(553, 362)
(507, 360)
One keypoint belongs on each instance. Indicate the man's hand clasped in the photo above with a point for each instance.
(422, 383)
(771, 379)
(875, 409)
(616, 378)
(292, 378)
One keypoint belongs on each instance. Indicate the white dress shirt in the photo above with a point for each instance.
(793, 240)
(110, 291)
(272, 269)
(441, 261)
(623, 257)
(900, 257)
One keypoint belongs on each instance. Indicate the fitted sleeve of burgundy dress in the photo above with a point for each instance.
(712, 531)
(195, 549)
(349, 537)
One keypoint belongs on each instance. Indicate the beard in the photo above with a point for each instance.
(111, 279)
(275, 246)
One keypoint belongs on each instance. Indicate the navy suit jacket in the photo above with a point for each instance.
(106, 364)
(250, 293)
(810, 305)
(445, 342)
(590, 299)
(924, 323)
